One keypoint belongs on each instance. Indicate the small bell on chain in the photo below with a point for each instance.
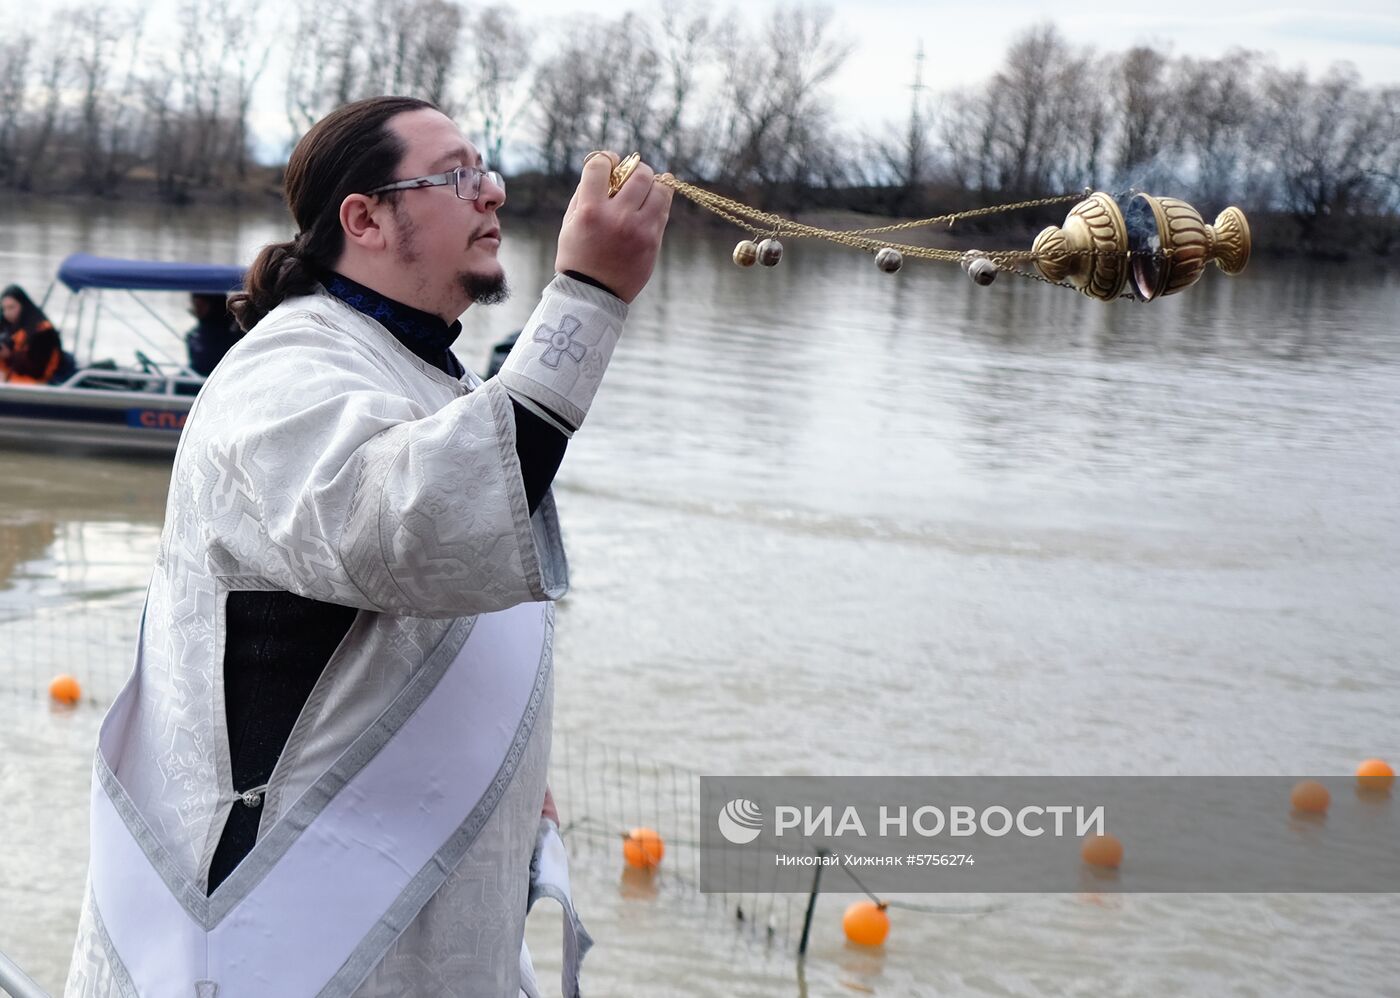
(746, 253)
(979, 267)
(889, 259)
(770, 251)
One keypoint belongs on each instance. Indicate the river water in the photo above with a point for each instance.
(826, 521)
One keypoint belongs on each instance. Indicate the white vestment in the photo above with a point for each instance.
(323, 458)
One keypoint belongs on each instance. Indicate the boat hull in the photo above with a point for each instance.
(107, 421)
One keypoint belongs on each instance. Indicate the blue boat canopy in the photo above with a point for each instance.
(82, 270)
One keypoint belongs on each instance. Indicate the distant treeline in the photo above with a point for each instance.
(91, 102)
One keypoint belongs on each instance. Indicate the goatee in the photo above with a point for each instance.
(485, 289)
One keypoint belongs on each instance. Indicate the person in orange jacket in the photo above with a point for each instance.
(30, 352)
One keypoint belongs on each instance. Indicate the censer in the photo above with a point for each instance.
(1129, 245)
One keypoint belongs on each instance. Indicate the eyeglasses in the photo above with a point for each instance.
(466, 180)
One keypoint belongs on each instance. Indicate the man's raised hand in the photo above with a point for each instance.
(614, 240)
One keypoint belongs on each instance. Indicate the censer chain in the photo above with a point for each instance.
(761, 224)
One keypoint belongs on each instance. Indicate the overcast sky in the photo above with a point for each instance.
(964, 40)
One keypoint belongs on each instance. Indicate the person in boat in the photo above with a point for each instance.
(30, 351)
(327, 772)
(214, 334)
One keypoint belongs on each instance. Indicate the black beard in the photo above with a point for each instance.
(485, 289)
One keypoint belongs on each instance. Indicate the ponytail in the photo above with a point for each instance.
(279, 272)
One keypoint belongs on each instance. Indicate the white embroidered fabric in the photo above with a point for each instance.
(563, 350)
(325, 459)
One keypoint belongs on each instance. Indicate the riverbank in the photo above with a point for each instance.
(535, 196)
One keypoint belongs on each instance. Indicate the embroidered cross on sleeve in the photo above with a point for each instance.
(559, 359)
(560, 342)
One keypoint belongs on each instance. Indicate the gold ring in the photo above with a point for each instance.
(622, 171)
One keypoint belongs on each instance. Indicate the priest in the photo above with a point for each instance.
(326, 775)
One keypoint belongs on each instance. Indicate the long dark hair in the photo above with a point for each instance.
(30, 315)
(347, 152)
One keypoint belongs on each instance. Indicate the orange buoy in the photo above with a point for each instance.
(866, 923)
(1375, 775)
(1102, 850)
(65, 689)
(1310, 797)
(643, 847)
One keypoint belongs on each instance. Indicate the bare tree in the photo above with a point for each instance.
(1388, 165)
(439, 32)
(14, 74)
(86, 101)
(779, 128)
(572, 114)
(1144, 104)
(1333, 141)
(1080, 148)
(969, 125)
(598, 90)
(684, 50)
(409, 47)
(1036, 85)
(243, 57)
(53, 61)
(201, 88)
(497, 63)
(1219, 124)
(325, 61)
(96, 37)
(161, 133)
(633, 85)
(345, 50)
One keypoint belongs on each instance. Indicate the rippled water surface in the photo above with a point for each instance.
(826, 521)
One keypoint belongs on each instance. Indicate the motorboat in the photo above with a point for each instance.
(104, 406)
